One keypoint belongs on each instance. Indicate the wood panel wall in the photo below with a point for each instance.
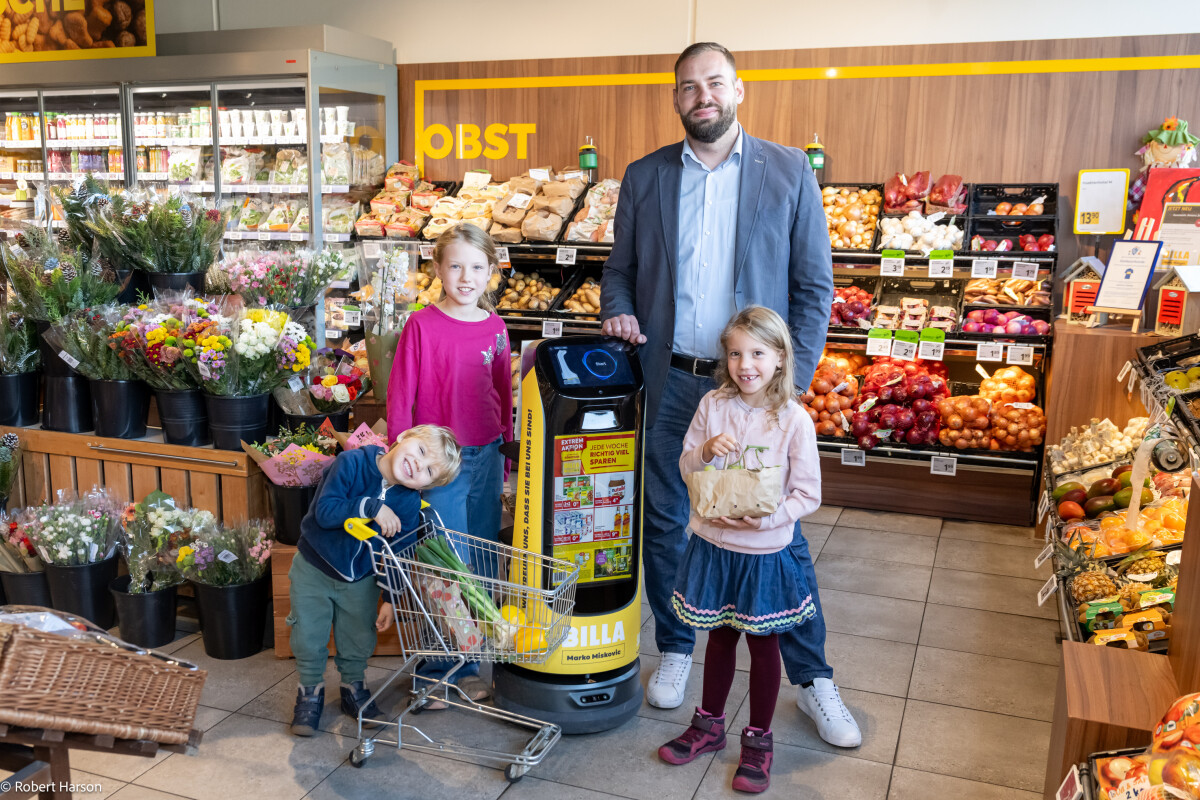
(1003, 128)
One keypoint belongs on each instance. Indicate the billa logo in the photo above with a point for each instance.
(438, 141)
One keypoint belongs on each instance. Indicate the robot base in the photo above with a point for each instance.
(572, 702)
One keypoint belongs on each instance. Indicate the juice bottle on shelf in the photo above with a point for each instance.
(142, 163)
(26, 134)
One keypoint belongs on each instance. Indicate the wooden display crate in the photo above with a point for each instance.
(281, 562)
(227, 483)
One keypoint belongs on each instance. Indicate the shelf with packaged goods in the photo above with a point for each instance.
(70, 176)
(80, 144)
(27, 176)
(20, 144)
(282, 236)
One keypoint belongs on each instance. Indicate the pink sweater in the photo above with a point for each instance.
(452, 373)
(791, 443)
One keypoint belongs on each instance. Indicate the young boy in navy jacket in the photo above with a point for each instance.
(332, 576)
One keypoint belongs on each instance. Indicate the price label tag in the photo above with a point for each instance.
(297, 237)
(879, 345)
(520, 200)
(1175, 557)
(853, 457)
(941, 268)
(931, 351)
(264, 236)
(1020, 354)
(943, 465)
(566, 255)
(296, 383)
(426, 252)
(296, 190)
(1025, 269)
(353, 317)
(234, 235)
(476, 179)
(983, 268)
(551, 329)
(1042, 556)
(1022, 406)
(892, 266)
(204, 371)
(1133, 376)
(540, 174)
(1044, 503)
(276, 188)
(371, 250)
(1124, 371)
(337, 237)
(903, 350)
(502, 255)
(1049, 588)
(1072, 787)
(226, 556)
(70, 359)
(987, 351)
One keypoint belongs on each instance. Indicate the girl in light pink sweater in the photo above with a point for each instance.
(739, 575)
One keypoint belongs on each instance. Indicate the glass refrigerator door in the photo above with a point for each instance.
(264, 165)
(83, 136)
(21, 167)
(173, 134)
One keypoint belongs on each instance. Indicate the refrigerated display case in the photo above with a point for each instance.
(22, 165)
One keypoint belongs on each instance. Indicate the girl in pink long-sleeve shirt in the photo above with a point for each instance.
(452, 369)
(740, 575)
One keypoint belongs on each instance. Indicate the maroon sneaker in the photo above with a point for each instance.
(754, 767)
(706, 735)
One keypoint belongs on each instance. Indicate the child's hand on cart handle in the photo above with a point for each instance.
(389, 523)
(720, 445)
(383, 620)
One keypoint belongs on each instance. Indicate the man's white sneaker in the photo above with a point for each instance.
(822, 702)
(669, 681)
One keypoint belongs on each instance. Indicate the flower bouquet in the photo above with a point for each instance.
(73, 532)
(151, 536)
(386, 299)
(280, 278)
(249, 355)
(149, 338)
(176, 235)
(82, 340)
(17, 553)
(18, 345)
(10, 463)
(334, 385)
(51, 281)
(227, 557)
(297, 457)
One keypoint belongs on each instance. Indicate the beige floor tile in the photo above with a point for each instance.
(182, 640)
(870, 665)
(989, 633)
(232, 684)
(880, 578)
(206, 717)
(991, 533)
(866, 615)
(625, 757)
(798, 773)
(878, 717)
(817, 536)
(887, 521)
(825, 515)
(984, 683)
(909, 784)
(976, 745)
(94, 787)
(409, 775)
(132, 791)
(990, 559)
(953, 587)
(118, 767)
(530, 788)
(905, 548)
(249, 757)
(277, 702)
(695, 688)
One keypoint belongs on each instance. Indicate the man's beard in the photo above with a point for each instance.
(710, 130)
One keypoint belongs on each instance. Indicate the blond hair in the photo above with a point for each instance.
(477, 238)
(769, 328)
(444, 452)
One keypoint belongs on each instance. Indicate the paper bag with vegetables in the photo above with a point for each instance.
(738, 490)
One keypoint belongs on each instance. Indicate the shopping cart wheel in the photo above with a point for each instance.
(514, 772)
(360, 754)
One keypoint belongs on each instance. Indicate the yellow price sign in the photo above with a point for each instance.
(1089, 217)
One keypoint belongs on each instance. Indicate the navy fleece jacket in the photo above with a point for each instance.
(353, 487)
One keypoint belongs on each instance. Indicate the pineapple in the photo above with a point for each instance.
(1088, 579)
(1143, 562)
(1130, 595)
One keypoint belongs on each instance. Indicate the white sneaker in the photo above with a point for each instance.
(822, 702)
(669, 681)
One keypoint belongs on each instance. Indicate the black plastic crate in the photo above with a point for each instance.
(572, 285)
(874, 243)
(960, 221)
(1164, 356)
(984, 197)
(1011, 229)
(868, 283)
(557, 275)
(1043, 313)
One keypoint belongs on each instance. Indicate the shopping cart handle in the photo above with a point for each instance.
(359, 529)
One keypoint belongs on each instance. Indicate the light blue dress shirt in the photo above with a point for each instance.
(708, 206)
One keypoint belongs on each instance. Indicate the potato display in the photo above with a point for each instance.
(852, 215)
(586, 299)
(527, 292)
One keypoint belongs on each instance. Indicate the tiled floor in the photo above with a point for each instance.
(940, 650)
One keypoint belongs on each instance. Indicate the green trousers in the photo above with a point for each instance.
(321, 603)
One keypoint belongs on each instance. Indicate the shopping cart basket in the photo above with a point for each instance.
(430, 606)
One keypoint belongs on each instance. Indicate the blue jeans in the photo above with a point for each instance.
(665, 511)
(470, 504)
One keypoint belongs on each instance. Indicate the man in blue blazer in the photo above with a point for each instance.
(705, 227)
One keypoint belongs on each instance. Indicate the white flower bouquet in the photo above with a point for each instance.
(74, 531)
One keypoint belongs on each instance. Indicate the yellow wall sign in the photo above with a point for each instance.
(438, 141)
(72, 30)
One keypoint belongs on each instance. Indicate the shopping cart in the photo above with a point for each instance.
(431, 624)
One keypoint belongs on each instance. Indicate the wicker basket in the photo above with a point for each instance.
(82, 685)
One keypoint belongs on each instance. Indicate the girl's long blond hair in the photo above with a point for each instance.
(478, 238)
(769, 328)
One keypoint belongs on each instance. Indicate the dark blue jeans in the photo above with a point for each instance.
(665, 512)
